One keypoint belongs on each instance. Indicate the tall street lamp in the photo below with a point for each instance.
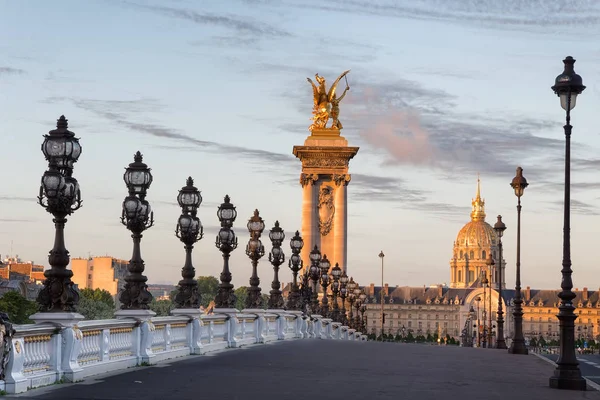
(226, 242)
(351, 299)
(567, 374)
(324, 266)
(60, 196)
(500, 227)
(519, 183)
(343, 293)
(137, 216)
(381, 255)
(295, 264)
(315, 274)
(189, 230)
(276, 258)
(255, 250)
(485, 282)
(336, 273)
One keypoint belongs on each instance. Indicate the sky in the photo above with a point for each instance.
(440, 90)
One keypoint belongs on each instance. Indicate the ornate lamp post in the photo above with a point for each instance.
(343, 292)
(60, 196)
(305, 291)
(519, 183)
(336, 272)
(276, 258)
(500, 227)
(255, 250)
(324, 266)
(351, 299)
(362, 297)
(485, 282)
(363, 322)
(226, 242)
(567, 374)
(315, 274)
(381, 255)
(137, 216)
(189, 230)
(295, 264)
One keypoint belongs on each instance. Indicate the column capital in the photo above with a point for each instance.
(306, 179)
(341, 179)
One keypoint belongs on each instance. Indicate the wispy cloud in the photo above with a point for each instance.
(241, 25)
(11, 71)
(17, 198)
(577, 207)
(127, 113)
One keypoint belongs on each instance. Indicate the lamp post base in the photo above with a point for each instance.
(568, 379)
(518, 348)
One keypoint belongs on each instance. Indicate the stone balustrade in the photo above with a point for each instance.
(43, 354)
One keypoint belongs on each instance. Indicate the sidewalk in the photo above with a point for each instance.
(331, 370)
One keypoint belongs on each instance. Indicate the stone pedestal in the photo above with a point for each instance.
(260, 326)
(139, 315)
(325, 157)
(61, 319)
(194, 327)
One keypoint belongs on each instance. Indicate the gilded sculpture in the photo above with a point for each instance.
(326, 103)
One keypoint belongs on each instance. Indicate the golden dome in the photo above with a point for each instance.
(477, 233)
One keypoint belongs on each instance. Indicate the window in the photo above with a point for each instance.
(483, 255)
(472, 255)
(89, 276)
(460, 276)
(91, 267)
(461, 254)
(471, 276)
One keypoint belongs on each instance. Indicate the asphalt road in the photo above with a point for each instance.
(589, 365)
(325, 369)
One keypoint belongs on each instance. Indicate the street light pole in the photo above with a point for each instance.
(381, 255)
(567, 374)
(519, 183)
(500, 227)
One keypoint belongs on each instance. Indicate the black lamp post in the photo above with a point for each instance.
(226, 242)
(567, 374)
(295, 264)
(325, 281)
(137, 216)
(255, 250)
(485, 282)
(351, 299)
(343, 293)
(189, 230)
(500, 227)
(315, 274)
(305, 291)
(276, 257)
(519, 183)
(60, 196)
(336, 272)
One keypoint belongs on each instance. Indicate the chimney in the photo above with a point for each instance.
(372, 289)
(386, 291)
(440, 291)
(527, 293)
(585, 294)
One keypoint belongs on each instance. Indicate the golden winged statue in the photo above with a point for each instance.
(326, 103)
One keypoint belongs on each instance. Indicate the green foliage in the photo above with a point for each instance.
(162, 308)
(410, 338)
(17, 307)
(241, 294)
(265, 300)
(98, 295)
(207, 286)
(95, 309)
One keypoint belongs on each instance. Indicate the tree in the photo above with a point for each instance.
(241, 293)
(207, 286)
(162, 308)
(95, 309)
(98, 295)
(265, 300)
(17, 307)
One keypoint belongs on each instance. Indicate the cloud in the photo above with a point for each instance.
(17, 198)
(242, 26)
(127, 112)
(11, 71)
(524, 15)
(577, 207)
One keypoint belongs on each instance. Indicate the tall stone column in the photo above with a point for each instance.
(340, 224)
(310, 217)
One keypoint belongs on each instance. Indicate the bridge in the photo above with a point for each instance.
(261, 356)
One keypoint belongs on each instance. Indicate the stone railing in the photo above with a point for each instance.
(44, 353)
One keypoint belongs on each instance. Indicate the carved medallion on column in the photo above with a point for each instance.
(341, 179)
(326, 209)
(306, 179)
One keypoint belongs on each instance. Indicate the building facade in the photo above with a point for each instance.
(470, 306)
(13, 268)
(106, 273)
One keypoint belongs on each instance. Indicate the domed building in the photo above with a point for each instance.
(474, 243)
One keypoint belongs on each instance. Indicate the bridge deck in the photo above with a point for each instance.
(327, 369)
